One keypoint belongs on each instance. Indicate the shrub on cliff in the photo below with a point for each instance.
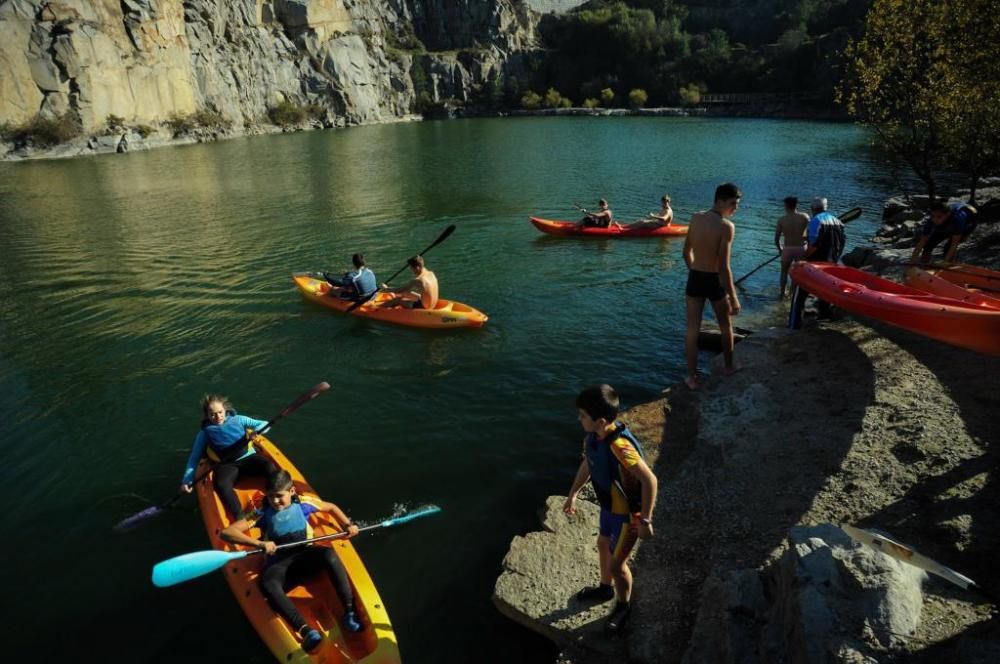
(287, 114)
(531, 100)
(691, 94)
(44, 132)
(607, 97)
(637, 98)
(590, 102)
(115, 124)
(552, 98)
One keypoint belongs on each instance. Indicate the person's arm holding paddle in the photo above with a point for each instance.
(236, 533)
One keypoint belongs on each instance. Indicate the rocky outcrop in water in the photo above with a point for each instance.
(147, 60)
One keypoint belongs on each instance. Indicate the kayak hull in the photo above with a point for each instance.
(447, 313)
(316, 600)
(971, 276)
(945, 319)
(569, 229)
(933, 283)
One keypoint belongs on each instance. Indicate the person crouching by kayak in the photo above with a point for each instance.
(626, 490)
(948, 223)
(421, 292)
(603, 218)
(359, 284)
(283, 519)
(224, 438)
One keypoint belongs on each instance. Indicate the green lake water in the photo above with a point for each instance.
(132, 284)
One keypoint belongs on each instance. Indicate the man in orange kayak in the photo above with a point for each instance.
(283, 519)
(707, 250)
(603, 218)
(661, 220)
(421, 292)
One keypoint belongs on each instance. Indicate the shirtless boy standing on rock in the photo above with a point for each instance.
(707, 250)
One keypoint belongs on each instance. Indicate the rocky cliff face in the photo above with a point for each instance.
(145, 60)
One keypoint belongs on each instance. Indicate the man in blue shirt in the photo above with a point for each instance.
(951, 222)
(825, 239)
(359, 284)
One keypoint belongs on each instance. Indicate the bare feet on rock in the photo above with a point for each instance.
(692, 382)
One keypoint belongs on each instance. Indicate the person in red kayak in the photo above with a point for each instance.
(626, 490)
(227, 439)
(663, 219)
(421, 292)
(283, 519)
(707, 250)
(603, 218)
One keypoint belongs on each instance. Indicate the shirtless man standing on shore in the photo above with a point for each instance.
(421, 292)
(793, 227)
(707, 250)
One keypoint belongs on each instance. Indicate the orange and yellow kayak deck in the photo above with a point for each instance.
(447, 313)
(317, 600)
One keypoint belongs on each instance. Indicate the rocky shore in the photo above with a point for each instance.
(847, 422)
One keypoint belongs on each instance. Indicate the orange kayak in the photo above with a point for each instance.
(943, 318)
(933, 283)
(317, 601)
(970, 276)
(447, 313)
(568, 228)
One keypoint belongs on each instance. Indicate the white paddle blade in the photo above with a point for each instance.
(191, 565)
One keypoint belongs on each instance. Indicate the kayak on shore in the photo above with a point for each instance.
(933, 283)
(316, 599)
(447, 313)
(943, 318)
(969, 276)
(569, 229)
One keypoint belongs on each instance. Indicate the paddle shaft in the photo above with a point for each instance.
(847, 218)
(441, 238)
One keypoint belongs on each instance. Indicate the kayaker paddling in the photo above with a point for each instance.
(421, 292)
(359, 285)
(792, 228)
(603, 218)
(283, 519)
(626, 489)
(227, 439)
(707, 251)
(661, 219)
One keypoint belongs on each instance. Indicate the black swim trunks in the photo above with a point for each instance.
(705, 284)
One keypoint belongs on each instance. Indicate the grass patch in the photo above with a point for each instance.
(44, 132)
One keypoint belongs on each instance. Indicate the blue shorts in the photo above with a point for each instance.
(622, 534)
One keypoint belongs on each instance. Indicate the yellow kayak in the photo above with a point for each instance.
(447, 313)
(316, 600)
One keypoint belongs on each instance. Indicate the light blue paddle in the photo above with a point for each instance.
(192, 565)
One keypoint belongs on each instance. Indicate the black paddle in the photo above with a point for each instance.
(151, 512)
(441, 238)
(845, 218)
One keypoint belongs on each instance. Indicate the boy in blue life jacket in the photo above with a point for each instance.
(359, 284)
(626, 490)
(282, 519)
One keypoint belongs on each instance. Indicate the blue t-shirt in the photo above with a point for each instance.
(956, 224)
(201, 442)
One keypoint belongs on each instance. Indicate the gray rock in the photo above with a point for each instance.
(543, 571)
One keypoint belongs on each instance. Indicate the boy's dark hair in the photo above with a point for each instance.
(358, 260)
(792, 202)
(940, 206)
(727, 191)
(603, 201)
(415, 261)
(279, 481)
(599, 401)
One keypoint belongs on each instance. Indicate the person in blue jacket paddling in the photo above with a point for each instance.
(227, 439)
(284, 519)
(359, 284)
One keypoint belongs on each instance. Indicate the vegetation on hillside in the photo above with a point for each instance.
(677, 50)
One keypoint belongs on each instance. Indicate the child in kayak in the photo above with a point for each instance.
(655, 220)
(626, 491)
(359, 284)
(603, 218)
(282, 519)
(420, 292)
(224, 438)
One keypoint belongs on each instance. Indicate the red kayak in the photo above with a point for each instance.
(933, 283)
(568, 228)
(946, 319)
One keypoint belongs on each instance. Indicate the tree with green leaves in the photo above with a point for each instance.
(925, 77)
